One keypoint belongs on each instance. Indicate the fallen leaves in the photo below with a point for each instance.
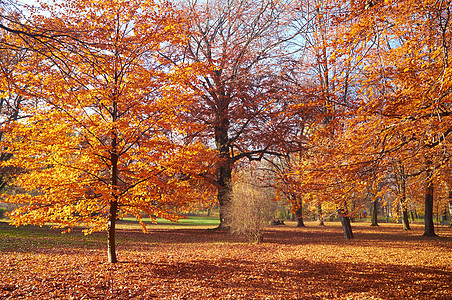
(292, 263)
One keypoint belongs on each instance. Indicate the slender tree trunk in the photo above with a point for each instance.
(405, 221)
(388, 212)
(429, 227)
(346, 226)
(319, 209)
(375, 212)
(299, 211)
(450, 208)
(114, 204)
(111, 232)
(114, 159)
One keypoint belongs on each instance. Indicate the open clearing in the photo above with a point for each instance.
(191, 262)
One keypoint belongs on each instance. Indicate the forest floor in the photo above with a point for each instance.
(192, 262)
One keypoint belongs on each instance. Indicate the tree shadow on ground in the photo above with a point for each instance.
(300, 279)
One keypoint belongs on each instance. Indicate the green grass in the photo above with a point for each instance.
(189, 221)
(35, 237)
(44, 237)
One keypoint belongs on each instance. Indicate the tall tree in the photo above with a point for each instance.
(401, 179)
(238, 46)
(104, 138)
(400, 106)
(411, 106)
(325, 82)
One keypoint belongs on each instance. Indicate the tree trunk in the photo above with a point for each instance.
(345, 221)
(224, 195)
(319, 209)
(225, 163)
(300, 222)
(111, 232)
(405, 221)
(450, 208)
(114, 158)
(429, 227)
(375, 212)
(299, 211)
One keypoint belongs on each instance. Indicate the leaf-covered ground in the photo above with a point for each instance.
(195, 263)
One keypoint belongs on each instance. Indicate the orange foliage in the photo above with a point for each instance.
(104, 135)
(388, 98)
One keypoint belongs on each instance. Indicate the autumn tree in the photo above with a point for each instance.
(408, 86)
(104, 138)
(286, 182)
(239, 48)
(396, 97)
(401, 182)
(325, 82)
(10, 102)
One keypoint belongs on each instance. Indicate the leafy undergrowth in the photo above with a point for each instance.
(195, 263)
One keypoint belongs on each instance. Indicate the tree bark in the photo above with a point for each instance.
(405, 221)
(111, 232)
(299, 211)
(319, 209)
(346, 226)
(429, 227)
(224, 195)
(225, 163)
(450, 208)
(114, 158)
(375, 212)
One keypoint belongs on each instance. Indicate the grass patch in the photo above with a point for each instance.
(189, 221)
(31, 238)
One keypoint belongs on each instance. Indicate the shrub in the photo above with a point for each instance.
(250, 210)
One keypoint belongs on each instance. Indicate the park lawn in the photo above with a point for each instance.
(192, 262)
(187, 222)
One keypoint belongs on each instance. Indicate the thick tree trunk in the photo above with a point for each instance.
(224, 195)
(225, 162)
(375, 212)
(429, 227)
(346, 226)
(299, 211)
(319, 210)
(300, 222)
